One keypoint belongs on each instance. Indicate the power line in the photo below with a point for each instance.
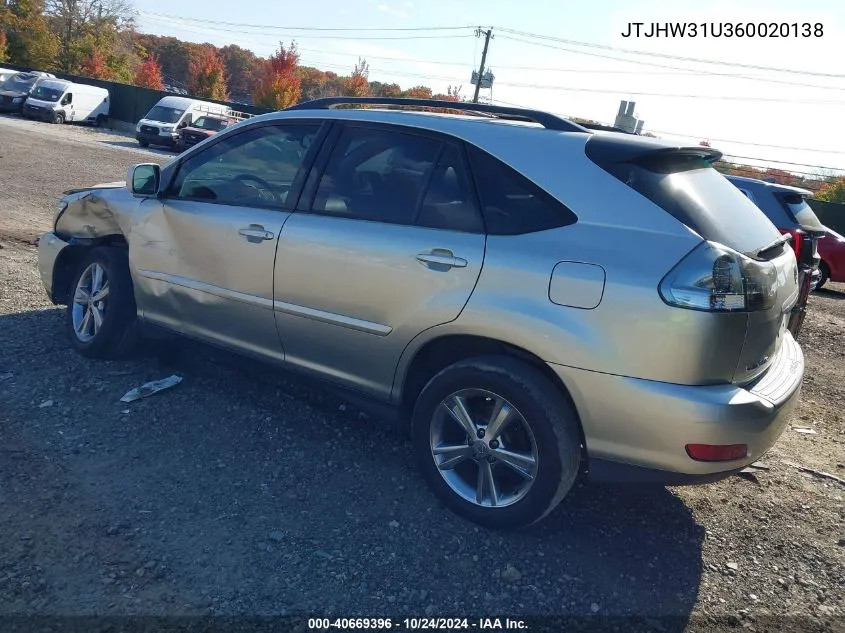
(317, 37)
(749, 143)
(784, 162)
(686, 70)
(697, 60)
(306, 28)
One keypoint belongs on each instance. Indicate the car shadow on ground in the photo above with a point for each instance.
(831, 293)
(240, 451)
(134, 145)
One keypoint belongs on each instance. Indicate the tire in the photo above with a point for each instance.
(545, 426)
(143, 142)
(59, 118)
(99, 121)
(824, 269)
(116, 335)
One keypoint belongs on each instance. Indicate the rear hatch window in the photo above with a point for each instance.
(683, 182)
(797, 208)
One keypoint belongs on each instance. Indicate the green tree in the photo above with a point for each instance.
(280, 84)
(81, 25)
(29, 41)
(242, 70)
(207, 74)
(833, 191)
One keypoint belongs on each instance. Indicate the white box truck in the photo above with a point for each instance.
(57, 101)
(161, 125)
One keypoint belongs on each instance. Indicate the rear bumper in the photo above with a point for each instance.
(49, 248)
(637, 430)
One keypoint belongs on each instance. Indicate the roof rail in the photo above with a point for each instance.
(606, 128)
(548, 121)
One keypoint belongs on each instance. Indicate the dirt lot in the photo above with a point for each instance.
(244, 492)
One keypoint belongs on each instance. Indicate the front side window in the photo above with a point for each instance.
(255, 167)
(377, 175)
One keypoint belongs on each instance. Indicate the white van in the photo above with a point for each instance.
(161, 125)
(57, 101)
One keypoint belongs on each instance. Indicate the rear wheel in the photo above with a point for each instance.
(497, 441)
(59, 118)
(143, 142)
(99, 121)
(824, 276)
(101, 314)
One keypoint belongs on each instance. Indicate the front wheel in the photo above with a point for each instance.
(497, 441)
(101, 314)
(100, 121)
(143, 142)
(59, 118)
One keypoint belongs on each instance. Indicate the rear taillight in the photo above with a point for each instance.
(717, 452)
(715, 278)
(797, 240)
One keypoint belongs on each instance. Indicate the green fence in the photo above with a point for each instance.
(131, 103)
(831, 214)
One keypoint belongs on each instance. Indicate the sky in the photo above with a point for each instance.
(565, 58)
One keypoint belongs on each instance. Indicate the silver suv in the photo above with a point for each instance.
(535, 299)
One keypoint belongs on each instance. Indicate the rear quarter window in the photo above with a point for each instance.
(512, 204)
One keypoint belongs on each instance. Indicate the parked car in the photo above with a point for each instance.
(204, 127)
(529, 318)
(161, 125)
(15, 90)
(5, 73)
(58, 101)
(788, 210)
(832, 254)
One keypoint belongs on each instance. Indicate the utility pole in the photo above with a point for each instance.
(487, 35)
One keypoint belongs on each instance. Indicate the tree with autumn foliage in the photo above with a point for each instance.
(29, 40)
(358, 83)
(280, 85)
(207, 74)
(418, 92)
(94, 65)
(833, 191)
(148, 74)
(3, 46)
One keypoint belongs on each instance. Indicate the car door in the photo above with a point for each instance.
(204, 254)
(387, 241)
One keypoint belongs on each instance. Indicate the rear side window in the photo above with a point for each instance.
(511, 203)
(796, 206)
(685, 185)
(377, 175)
(449, 202)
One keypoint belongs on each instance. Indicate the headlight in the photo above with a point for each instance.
(60, 208)
(138, 128)
(17, 100)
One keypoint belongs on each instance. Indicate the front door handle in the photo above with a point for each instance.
(256, 233)
(442, 258)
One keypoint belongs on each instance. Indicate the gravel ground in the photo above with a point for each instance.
(244, 492)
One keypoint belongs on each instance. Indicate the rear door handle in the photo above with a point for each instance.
(443, 258)
(256, 233)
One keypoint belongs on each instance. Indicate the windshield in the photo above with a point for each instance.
(209, 123)
(164, 114)
(47, 94)
(19, 83)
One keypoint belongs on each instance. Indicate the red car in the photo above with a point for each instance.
(832, 252)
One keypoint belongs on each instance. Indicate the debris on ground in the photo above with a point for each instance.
(804, 430)
(45, 404)
(150, 388)
(816, 473)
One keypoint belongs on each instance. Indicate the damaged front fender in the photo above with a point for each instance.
(91, 214)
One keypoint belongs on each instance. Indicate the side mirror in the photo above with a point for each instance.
(144, 179)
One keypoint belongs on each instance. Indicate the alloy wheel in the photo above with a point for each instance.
(90, 299)
(483, 448)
